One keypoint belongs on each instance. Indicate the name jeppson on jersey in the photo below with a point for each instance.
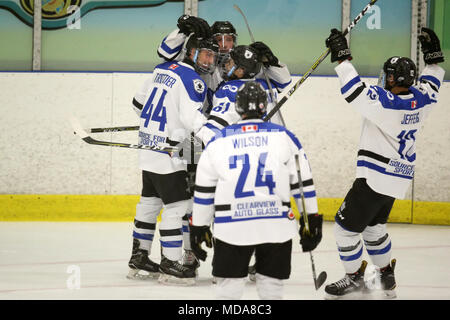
(223, 112)
(391, 123)
(245, 178)
(169, 105)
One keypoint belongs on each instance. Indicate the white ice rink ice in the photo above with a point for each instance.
(74, 261)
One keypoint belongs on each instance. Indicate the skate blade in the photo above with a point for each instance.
(168, 279)
(136, 274)
(380, 294)
(349, 296)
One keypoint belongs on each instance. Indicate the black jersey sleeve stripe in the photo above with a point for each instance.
(373, 155)
(137, 104)
(355, 93)
(305, 183)
(432, 85)
(222, 207)
(204, 189)
(219, 120)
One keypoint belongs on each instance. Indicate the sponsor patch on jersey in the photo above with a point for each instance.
(199, 86)
(413, 104)
(173, 66)
(250, 128)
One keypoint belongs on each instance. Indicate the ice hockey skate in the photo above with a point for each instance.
(349, 287)
(191, 261)
(173, 272)
(382, 284)
(141, 267)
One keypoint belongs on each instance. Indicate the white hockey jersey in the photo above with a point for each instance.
(223, 112)
(391, 123)
(245, 178)
(169, 105)
(171, 48)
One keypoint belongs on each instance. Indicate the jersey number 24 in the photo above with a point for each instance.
(259, 182)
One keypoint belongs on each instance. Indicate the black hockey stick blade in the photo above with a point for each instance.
(320, 280)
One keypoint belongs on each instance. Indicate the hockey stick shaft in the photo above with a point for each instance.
(79, 131)
(316, 63)
(322, 277)
(113, 129)
(252, 38)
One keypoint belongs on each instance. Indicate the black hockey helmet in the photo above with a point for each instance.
(251, 100)
(244, 57)
(402, 69)
(223, 27)
(200, 44)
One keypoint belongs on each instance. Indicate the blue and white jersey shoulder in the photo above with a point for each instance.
(195, 86)
(391, 124)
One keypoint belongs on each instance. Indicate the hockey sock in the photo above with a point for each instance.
(147, 211)
(350, 248)
(269, 288)
(378, 245)
(229, 288)
(170, 230)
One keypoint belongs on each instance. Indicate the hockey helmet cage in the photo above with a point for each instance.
(251, 100)
(200, 44)
(223, 27)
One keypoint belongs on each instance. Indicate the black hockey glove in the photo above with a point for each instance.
(191, 24)
(431, 46)
(198, 234)
(338, 46)
(265, 55)
(310, 241)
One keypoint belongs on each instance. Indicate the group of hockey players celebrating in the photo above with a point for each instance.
(235, 172)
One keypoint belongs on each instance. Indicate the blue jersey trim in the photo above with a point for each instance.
(372, 166)
(310, 194)
(350, 84)
(187, 76)
(431, 79)
(167, 49)
(228, 219)
(421, 100)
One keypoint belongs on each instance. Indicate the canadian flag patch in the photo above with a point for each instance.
(413, 104)
(173, 66)
(250, 128)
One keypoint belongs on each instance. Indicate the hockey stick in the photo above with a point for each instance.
(320, 280)
(252, 38)
(79, 131)
(316, 64)
(113, 129)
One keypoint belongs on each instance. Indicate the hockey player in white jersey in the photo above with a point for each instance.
(226, 36)
(245, 179)
(393, 114)
(169, 105)
(243, 66)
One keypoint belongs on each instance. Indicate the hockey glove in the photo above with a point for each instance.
(431, 46)
(198, 234)
(338, 46)
(265, 55)
(309, 241)
(191, 24)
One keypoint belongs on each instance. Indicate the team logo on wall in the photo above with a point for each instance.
(58, 14)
